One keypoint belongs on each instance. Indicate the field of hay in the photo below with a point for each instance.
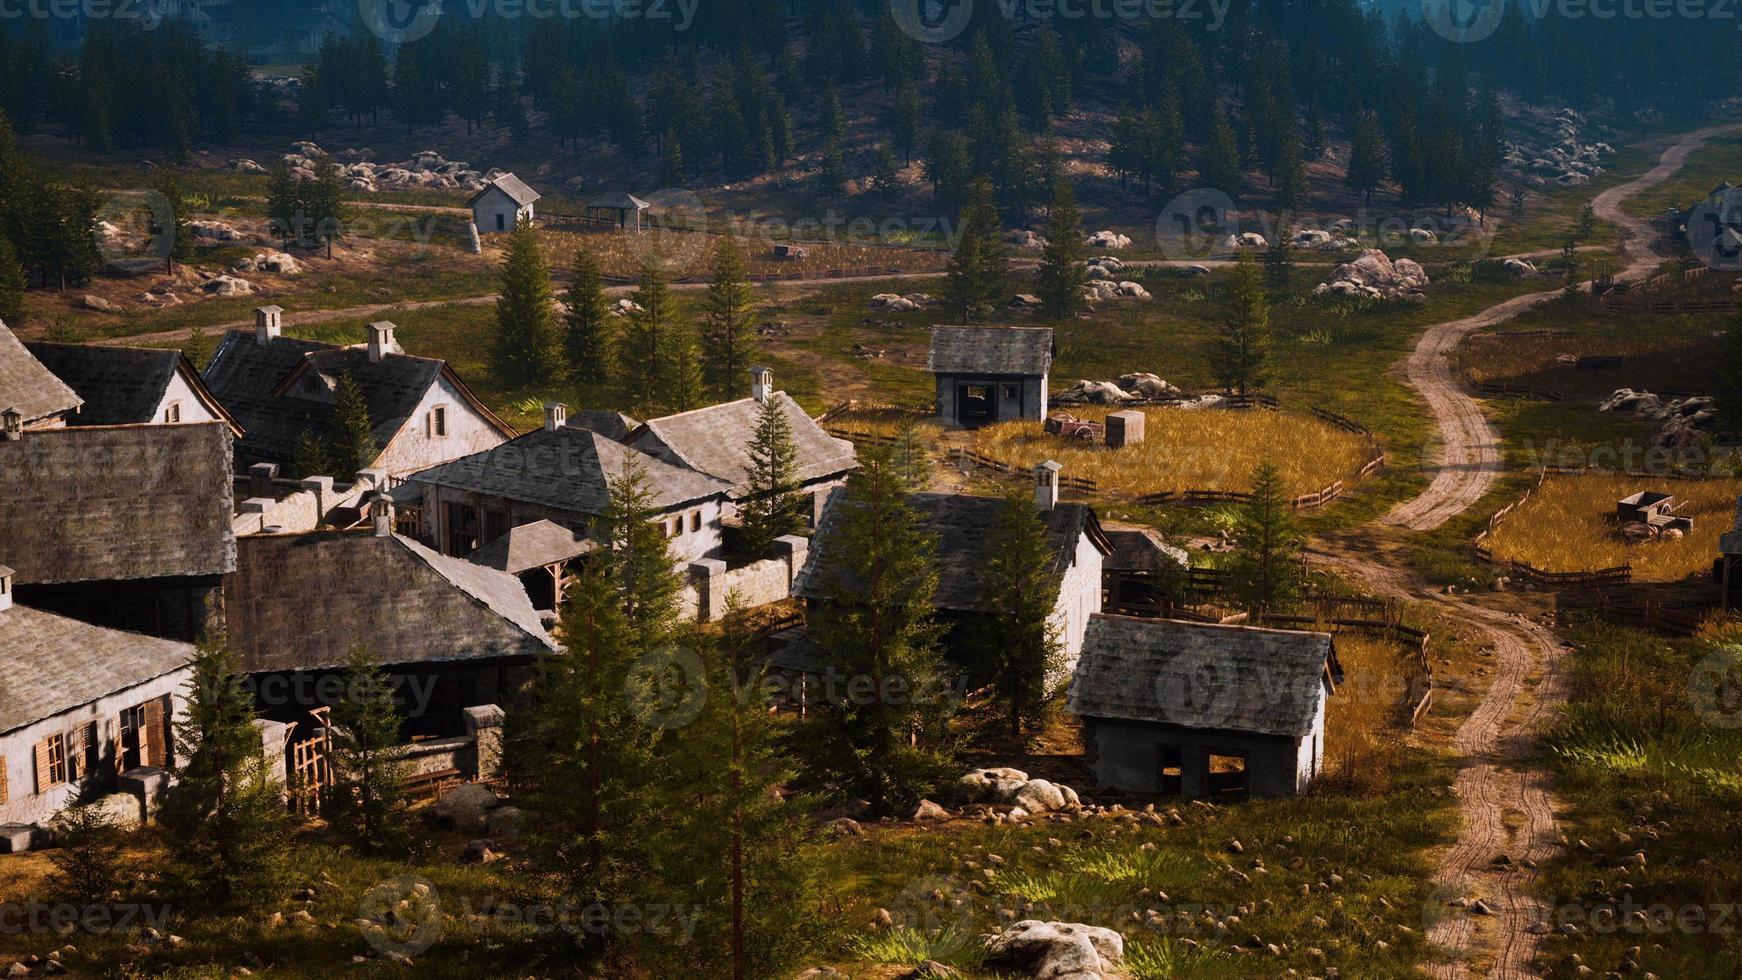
(1189, 450)
(1362, 718)
(1568, 526)
(688, 254)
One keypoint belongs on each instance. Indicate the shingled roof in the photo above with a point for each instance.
(611, 425)
(301, 601)
(104, 503)
(26, 386)
(963, 527)
(257, 383)
(1139, 549)
(123, 385)
(511, 185)
(569, 469)
(716, 441)
(532, 546)
(1202, 675)
(990, 350)
(50, 664)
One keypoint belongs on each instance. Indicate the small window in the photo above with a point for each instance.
(1011, 393)
(1172, 770)
(696, 521)
(173, 412)
(438, 422)
(84, 751)
(676, 526)
(51, 757)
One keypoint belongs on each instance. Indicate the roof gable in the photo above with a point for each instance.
(716, 440)
(509, 185)
(26, 386)
(301, 601)
(990, 350)
(1203, 675)
(532, 546)
(124, 385)
(105, 503)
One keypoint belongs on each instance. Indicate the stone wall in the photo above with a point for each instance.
(757, 584)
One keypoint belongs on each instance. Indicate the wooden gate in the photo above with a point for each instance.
(311, 773)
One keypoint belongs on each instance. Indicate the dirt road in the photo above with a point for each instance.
(1468, 460)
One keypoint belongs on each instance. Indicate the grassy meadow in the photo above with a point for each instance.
(1569, 526)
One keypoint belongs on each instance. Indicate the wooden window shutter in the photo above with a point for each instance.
(5, 791)
(42, 776)
(152, 740)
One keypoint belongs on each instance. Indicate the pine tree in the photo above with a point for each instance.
(884, 179)
(685, 388)
(645, 374)
(1517, 210)
(86, 855)
(873, 620)
(524, 350)
(181, 241)
(1018, 650)
(12, 285)
(1063, 272)
(727, 347)
(327, 204)
(976, 268)
(832, 175)
(1240, 358)
(1729, 369)
(1366, 157)
(228, 829)
(1219, 166)
(282, 206)
(353, 433)
(904, 121)
(1266, 570)
(1279, 256)
(197, 348)
(313, 456)
(587, 324)
(368, 760)
(771, 506)
(637, 561)
(1291, 180)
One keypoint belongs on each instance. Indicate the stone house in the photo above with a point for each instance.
(502, 204)
(562, 474)
(126, 526)
(280, 387)
(963, 527)
(87, 711)
(132, 385)
(31, 397)
(990, 374)
(716, 441)
(453, 634)
(1190, 709)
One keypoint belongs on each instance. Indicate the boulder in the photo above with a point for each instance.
(227, 286)
(1518, 267)
(214, 230)
(1133, 290)
(929, 812)
(1094, 393)
(1641, 403)
(466, 807)
(246, 167)
(992, 785)
(1146, 385)
(480, 852)
(1025, 301)
(1375, 276)
(1110, 240)
(1422, 236)
(624, 307)
(504, 821)
(1252, 239)
(894, 302)
(1197, 270)
(1039, 796)
(1026, 241)
(98, 304)
(278, 263)
(1057, 950)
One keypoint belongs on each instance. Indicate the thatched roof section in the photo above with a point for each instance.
(1202, 675)
(50, 664)
(569, 469)
(532, 546)
(990, 350)
(301, 601)
(104, 503)
(963, 527)
(716, 440)
(510, 185)
(124, 385)
(26, 386)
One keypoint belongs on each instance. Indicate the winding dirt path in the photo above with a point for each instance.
(1468, 459)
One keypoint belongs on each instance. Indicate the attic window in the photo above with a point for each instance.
(173, 412)
(438, 422)
(696, 521)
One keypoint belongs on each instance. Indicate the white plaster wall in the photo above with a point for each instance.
(413, 448)
(23, 804)
(192, 409)
(1079, 598)
(1310, 753)
(493, 203)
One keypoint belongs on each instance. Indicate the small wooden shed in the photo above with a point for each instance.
(502, 204)
(990, 374)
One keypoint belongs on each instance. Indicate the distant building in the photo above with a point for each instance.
(1727, 570)
(963, 526)
(127, 526)
(31, 397)
(502, 204)
(562, 474)
(1143, 571)
(716, 441)
(132, 385)
(990, 374)
(1201, 710)
(85, 709)
(280, 387)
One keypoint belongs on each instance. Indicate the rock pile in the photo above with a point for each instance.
(1013, 788)
(1024, 240)
(1373, 275)
(1137, 386)
(897, 303)
(276, 263)
(1246, 239)
(1568, 162)
(1321, 240)
(1112, 241)
(425, 169)
(1684, 420)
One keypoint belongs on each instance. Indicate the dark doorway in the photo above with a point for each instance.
(976, 404)
(1225, 776)
(461, 530)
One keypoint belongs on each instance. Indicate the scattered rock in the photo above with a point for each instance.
(1025, 301)
(1061, 950)
(98, 304)
(480, 852)
(227, 286)
(1519, 267)
(1110, 240)
(1024, 240)
(466, 807)
(1374, 275)
(927, 812)
(1094, 393)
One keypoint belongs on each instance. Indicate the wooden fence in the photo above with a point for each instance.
(1418, 699)
(1511, 391)
(1618, 575)
(1638, 610)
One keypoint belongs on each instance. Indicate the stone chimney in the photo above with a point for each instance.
(11, 425)
(268, 323)
(1046, 485)
(556, 415)
(381, 341)
(5, 588)
(761, 384)
(381, 515)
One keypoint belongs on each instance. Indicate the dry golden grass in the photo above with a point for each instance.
(1190, 450)
(692, 253)
(1363, 719)
(1568, 526)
